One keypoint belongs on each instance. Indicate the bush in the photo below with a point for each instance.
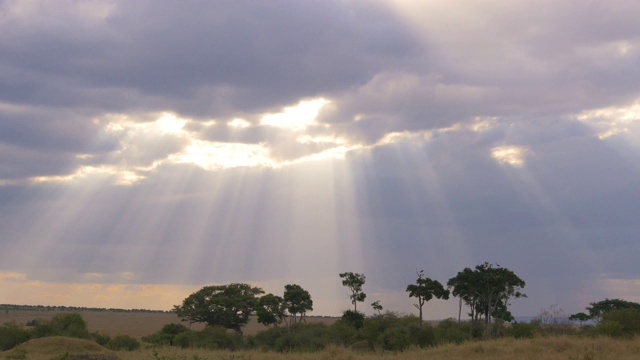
(301, 337)
(211, 337)
(167, 335)
(100, 338)
(522, 330)
(451, 331)
(421, 335)
(215, 337)
(340, 333)
(123, 342)
(628, 319)
(65, 324)
(11, 335)
(396, 339)
(353, 318)
(610, 328)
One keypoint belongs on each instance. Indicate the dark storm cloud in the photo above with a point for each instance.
(82, 84)
(490, 59)
(233, 52)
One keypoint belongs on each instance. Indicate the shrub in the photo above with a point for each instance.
(100, 338)
(65, 324)
(421, 336)
(353, 318)
(301, 337)
(167, 335)
(214, 337)
(11, 335)
(522, 330)
(340, 333)
(451, 331)
(610, 328)
(123, 342)
(396, 339)
(628, 319)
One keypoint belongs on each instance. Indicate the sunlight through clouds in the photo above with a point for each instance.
(296, 117)
(379, 136)
(613, 120)
(212, 156)
(509, 155)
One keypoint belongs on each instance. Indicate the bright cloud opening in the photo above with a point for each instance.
(613, 120)
(239, 123)
(213, 156)
(509, 155)
(296, 117)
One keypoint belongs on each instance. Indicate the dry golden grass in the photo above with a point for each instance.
(55, 346)
(136, 324)
(555, 348)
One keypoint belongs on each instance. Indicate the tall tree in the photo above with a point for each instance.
(426, 289)
(462, 286)
(495, 286)
(297, 301)
(224, 305)
(354, 282)
(487, 290)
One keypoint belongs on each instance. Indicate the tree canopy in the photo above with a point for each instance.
(487, 290)
(426, 289)
(225, 305)
(598, 309)
(270, 309)
(297, 301)
(354, 282)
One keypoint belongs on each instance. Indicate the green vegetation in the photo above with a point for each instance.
(487, 290)
(354, 282)
(12, 334)
(424, 290)
(223, 305)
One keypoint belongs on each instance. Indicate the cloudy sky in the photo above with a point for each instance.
(149, 148)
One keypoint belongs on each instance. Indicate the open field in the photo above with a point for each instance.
(551, 348)
(136, 324)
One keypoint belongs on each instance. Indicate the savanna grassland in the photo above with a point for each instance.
(539, 348)
(135, 324)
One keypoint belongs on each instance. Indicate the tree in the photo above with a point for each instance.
(376, 306)
(225, 305)
(354, 282)
(495, 287)
(462, 287)
(580, 317)
(487, 290)
(426, 289)
(297, 301)
(270, 309)
(598, 309)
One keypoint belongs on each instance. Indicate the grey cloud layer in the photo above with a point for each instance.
(428, 71)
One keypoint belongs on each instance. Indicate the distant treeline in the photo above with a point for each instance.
(74, 308)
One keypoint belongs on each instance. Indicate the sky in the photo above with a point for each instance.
(150, 148)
